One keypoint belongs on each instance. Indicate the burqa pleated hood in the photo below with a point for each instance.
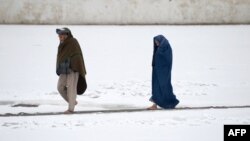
(162, 53)
(162, 40)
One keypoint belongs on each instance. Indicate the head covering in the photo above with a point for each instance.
(64, 30)
(163, 49)
(162, 40)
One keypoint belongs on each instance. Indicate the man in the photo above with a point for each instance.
(70, 68)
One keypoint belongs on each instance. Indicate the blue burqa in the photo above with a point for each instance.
(162, 90)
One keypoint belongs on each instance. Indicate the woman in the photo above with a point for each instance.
(162, 90)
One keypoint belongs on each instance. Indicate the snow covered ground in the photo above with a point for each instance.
(211, 68)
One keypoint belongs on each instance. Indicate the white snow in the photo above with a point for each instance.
(211, 68)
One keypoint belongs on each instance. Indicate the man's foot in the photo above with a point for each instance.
(153, 107)
(68, 112)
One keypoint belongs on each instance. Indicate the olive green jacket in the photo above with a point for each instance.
(70, 50)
